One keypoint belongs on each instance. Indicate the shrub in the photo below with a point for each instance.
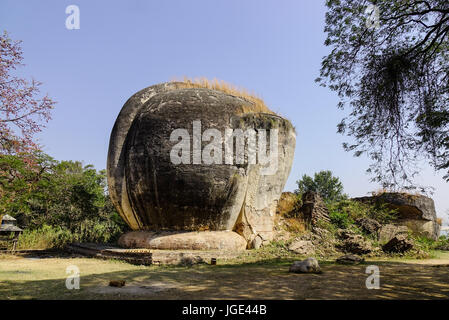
(44, 238)
(47, 237)
(354, 210)
(340, 219)
(382, 213)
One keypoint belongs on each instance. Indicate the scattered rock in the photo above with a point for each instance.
(281, 234)
(322, 233)
(190, 261)
(398, 244)
(302, 247)
(368, 225)
(345, 234)
(389, 231)
(309, 265)
(355, 243)
(117, 283)
(350, 259)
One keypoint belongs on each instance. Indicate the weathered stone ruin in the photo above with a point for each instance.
(417, 212)
(313, 208)
(193, 205)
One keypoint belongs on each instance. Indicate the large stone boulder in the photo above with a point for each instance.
(154, 193)
(398, 244)
(166, 240)
(417, 212)
(389, 231)
(309, 265)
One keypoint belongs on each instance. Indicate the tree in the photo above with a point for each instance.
(329, 187)
(393, 73)
(22, 111)
(63, 194)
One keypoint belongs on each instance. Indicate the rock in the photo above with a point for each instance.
(322, 233)
(350, 259)
(417, 212)
(398, 244)
(389, 231)
(428, 229)
(117, 283)
(257, 242)
(205, 240)
(302, 247)
(345, 234)
(309, 265)
(368, 225)
(356, 244)
(313, 208)
(190, 261)
(152, 193)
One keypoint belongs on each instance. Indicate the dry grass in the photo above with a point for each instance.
(381, 191)
(257, 104)
(45, 279)
(295, 225)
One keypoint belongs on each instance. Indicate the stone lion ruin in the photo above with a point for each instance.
(225, 205)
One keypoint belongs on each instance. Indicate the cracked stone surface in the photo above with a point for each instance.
(151, 193)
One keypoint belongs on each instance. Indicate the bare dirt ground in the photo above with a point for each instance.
(44, 278)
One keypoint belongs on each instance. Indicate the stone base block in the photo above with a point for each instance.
(197, 240)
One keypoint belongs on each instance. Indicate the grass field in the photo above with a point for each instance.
(44, 278)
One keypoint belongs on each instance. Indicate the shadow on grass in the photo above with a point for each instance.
(268, 279)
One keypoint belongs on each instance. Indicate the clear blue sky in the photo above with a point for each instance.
(273, 48)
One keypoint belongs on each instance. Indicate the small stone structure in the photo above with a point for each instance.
(153, 194)
(8, 227)
(313, 208)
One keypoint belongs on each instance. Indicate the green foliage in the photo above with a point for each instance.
(44, 238)
(56, 237)
(66, 196)
(343, 213)
(340, 219)
(382, 213)
(329, 187)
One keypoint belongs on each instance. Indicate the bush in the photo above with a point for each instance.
(382, 213)
(47, 237)
(44, 238)
(57, 202)
(352, 209)
(340, 219)
(347, 211)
